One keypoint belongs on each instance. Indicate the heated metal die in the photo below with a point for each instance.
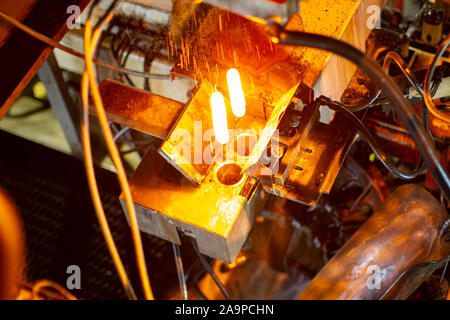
(195, 185)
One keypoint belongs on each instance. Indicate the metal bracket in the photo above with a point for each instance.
(62, 104)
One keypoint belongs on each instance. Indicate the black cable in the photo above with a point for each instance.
(432, 69)
(102, 18)
(365, 133)
(386, 84)
(376, 100)
(117, 55)
(373, 101)
(210, 270)
(52, 43)
(180, 271)
(124, 62)
(197, 289)
(390, 57)
(147, 65)
(133, 37)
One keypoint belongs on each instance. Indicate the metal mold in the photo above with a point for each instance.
(229, 173)
(217, 215)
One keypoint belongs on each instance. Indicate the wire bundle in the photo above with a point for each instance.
(388, 85)
(91, 40)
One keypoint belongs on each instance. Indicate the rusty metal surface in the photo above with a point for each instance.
(190, 140)
(438, 127)
(219, 39)
(219, 216)
(223, 40)
(139, 109)
(404, 232)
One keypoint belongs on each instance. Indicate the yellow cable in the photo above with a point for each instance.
(89, 166)
(92, 182)
(50, 284)
(55, 44)
(113, 150)
(90, 46)
(427, 96)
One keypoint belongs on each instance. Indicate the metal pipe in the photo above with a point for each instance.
(390, 255)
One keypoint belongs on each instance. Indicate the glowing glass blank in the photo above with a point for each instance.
(237, 97)
(219, 118)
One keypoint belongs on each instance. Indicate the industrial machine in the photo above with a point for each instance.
(285, 149)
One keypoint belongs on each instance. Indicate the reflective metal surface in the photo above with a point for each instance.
(404, 232)
(219, 216)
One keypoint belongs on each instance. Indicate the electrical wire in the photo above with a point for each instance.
(426, 86)
(210, 271)
(193, 274)
(95, 195)
(115, 155)
(385, 83)
(444, 271)
(41, 284)
(131, 36)
(390, 57)
(197, 289)
(121, 133)
(116, 57)
(180, 271)
(55, 44)
(90, 43)
(365, 133)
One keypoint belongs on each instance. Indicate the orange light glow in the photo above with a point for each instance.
(219, 118)
(236, 93)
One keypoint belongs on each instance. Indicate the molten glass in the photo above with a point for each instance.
(236, 93)
(219, 118)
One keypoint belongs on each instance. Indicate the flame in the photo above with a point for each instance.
(236, 93)
(219, 118)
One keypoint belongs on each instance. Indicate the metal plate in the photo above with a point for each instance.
(218, 216)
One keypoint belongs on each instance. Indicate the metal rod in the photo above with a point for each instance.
(180, 271)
